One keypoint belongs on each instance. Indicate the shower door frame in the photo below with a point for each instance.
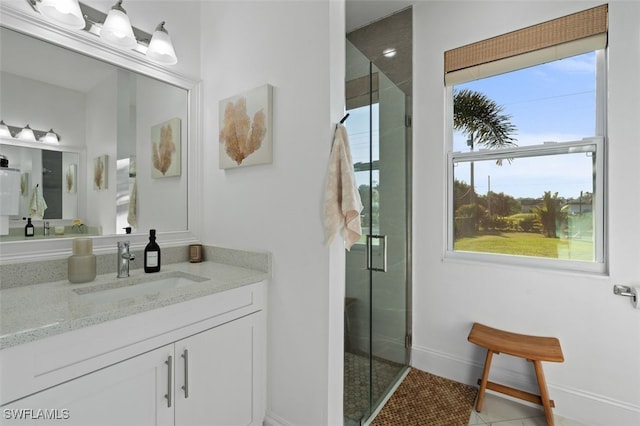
(376, 402)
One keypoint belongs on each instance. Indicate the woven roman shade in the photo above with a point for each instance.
(559, 38)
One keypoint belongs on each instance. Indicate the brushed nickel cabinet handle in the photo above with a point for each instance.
(168, 395)
(185, 388)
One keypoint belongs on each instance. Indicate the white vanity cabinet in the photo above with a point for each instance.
(202, 363)
(214, 375)
(127, 393)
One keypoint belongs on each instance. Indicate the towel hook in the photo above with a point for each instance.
(344, 118)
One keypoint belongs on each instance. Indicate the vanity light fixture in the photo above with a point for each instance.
(65, 12)
(26, 133)
(114, 28)
(160, 48)
(117, 29)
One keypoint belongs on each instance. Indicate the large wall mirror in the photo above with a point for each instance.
(124, 151)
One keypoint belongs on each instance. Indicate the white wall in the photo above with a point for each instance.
(599, 332)
(298, 48)
(43, 106)
(156, 103)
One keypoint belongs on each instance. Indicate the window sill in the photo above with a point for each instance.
(524, 262)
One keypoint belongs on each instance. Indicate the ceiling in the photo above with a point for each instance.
(393, 31)
(362, 12)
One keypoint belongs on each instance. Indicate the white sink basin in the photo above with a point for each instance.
(149, 288)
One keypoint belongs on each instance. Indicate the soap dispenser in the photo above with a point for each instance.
(29, 230)
(81, 265)
(152, 254)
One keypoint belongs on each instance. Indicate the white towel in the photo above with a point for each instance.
(342, 204)
(37, 205)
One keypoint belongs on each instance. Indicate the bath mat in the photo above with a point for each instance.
(428, 400)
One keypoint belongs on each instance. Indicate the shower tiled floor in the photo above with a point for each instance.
(356, 384)
(499, 411)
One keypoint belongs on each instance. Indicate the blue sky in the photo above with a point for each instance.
(553, 102)
(358, 130)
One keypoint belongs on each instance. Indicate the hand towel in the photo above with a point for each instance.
(37, 205)
(342, 204)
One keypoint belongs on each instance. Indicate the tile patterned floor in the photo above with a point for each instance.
(499, 411)
(356, 382)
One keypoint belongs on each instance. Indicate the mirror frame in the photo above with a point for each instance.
(32, 24)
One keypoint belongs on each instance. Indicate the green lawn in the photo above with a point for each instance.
(527, 244)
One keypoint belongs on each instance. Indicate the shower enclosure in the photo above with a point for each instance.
(377, 305)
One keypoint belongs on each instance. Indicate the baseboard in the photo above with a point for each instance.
(575, 404)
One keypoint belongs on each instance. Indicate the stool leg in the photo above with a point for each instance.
(483, 381)
(544, 393)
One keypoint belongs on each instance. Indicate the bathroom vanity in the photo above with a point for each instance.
(184, 346)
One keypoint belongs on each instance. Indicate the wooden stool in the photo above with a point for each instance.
(531, 348)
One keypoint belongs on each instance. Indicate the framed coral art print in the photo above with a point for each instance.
(71, 179)
(24, 184)
(245, 122)
(100, 176)
(166, 148)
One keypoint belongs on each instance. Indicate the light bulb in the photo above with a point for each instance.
(4, 130)
(64, 12)
(117, 28)
(26, 134)
(50, 137)
(160, 48)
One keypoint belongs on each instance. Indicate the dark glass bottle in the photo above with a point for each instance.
(29, 230)
(152, 254)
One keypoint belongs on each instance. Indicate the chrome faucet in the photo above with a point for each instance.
(124, 256)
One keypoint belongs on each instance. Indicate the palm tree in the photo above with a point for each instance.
(482, 120)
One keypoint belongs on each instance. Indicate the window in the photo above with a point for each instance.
(365, 153)
(526, 157)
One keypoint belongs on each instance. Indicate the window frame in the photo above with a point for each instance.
(600, 263)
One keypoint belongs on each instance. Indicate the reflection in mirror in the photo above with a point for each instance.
(123, 140)
(51, 171)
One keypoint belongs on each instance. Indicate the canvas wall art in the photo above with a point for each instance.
(245, 122)
(24, 184)
(100, 175)
(166, 148)
(132, 167)
(71, 180)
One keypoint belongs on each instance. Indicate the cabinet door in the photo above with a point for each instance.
(215, 383)
(131, 392)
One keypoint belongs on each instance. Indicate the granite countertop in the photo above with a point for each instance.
(36, 311)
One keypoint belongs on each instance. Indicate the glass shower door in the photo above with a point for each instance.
(377, 281)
